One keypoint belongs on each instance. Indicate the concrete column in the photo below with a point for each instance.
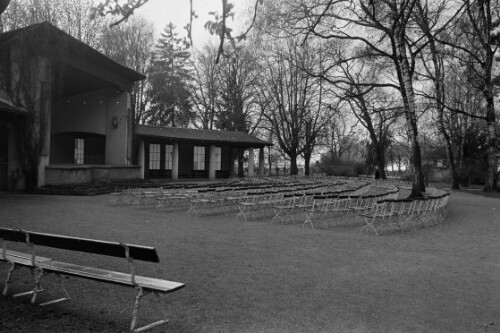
(250, 162)
(211, 163)
(15, 176)
(261, 162)
(42, 96)
(231, 162)
(118, 138)
(142, 158)
(175, 161)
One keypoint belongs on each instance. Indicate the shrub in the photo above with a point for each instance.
(343, 168)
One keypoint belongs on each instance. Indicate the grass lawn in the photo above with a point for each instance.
(266, 277)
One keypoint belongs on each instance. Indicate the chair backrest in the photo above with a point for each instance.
(114, 249)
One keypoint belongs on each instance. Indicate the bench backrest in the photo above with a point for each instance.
(114, 249)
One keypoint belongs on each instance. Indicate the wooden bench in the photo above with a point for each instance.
(42, 266)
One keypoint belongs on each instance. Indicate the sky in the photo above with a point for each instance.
(161, 12)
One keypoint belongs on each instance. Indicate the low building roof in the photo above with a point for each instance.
(237, 139)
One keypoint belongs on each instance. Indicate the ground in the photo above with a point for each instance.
(266, 277)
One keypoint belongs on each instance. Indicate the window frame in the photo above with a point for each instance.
(79, 151)
(154, 156)
(169, 156)
(199, 154)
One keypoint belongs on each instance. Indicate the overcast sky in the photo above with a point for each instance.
(161, 12)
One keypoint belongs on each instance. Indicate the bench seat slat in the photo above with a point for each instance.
(23, 259)
(110, 276)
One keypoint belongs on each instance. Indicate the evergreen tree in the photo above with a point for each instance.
(169, 78)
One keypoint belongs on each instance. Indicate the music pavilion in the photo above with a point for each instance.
(82, 121)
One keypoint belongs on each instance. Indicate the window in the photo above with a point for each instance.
(79, 151)
(169, 150)
(218, 158)
(199, 158)
(154, 156)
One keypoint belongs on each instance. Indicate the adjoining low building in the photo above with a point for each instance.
(66, 108)
(193, 153)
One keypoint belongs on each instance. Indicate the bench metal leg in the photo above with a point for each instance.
(12, 268)
(136, 311)
(35, 290)
(63, 288)
(38, 287)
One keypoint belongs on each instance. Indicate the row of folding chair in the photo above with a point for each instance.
(270, 204)
(277, 202)
(220, 201)
(133, 196)
(224, 200)
(338, 209)
(406, 214)
(175, 199)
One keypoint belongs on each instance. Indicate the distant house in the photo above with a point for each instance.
(66, 107)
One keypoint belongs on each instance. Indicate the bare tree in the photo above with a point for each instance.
(428, 17)
(218, 26)
(70, 16)
(342, 135)
(293, 99)
(374, 108)
(237, 102)
(474, 44)
(205, 87)
(381, 31)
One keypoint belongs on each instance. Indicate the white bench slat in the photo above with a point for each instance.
(22, 258)
(110, 276)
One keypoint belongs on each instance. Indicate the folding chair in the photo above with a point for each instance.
(245, 207)
(378, 220)
(283, 210)
(315, 211)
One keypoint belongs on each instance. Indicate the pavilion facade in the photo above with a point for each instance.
(76, 103)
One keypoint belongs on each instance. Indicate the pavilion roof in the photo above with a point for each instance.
(45, 33)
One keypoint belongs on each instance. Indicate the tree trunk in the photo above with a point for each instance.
(269, 160)
(380, 161)
(293, 165)
(307, 161)
(418, 185)
(491, 177)
(438, 83)
(492, 150)
(408, 96)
